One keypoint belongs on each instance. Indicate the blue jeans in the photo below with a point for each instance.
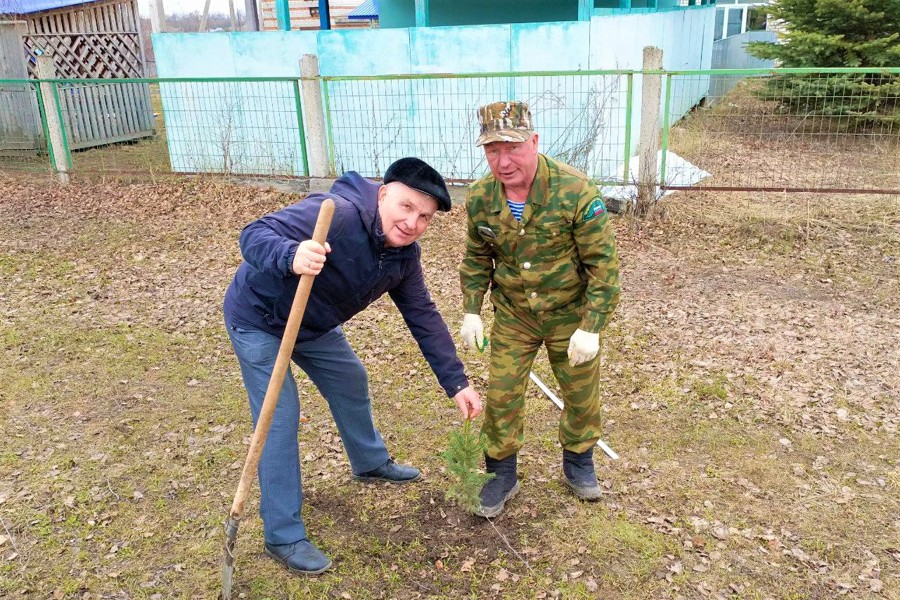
(340, 377)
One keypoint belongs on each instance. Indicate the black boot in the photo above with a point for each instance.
(502, 488)
(580, 476)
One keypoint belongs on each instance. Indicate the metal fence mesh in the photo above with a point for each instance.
(115, 127)
(374, 121)
(246, 127)
(798, 131)
(828, 130)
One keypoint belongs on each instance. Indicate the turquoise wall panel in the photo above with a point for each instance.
(369, 118)
(364, 51)
(236, 127)
(572, 113)
(550, 46)
(271, 53)
(580, 118)
(444, 110)
(479, 49)
(193, 55)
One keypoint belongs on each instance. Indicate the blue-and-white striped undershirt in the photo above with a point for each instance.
(516, 208)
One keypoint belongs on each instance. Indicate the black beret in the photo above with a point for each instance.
(419, 175)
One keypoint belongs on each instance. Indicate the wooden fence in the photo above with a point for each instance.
(20, 125)
(99, 40)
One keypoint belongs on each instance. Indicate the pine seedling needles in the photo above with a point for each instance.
(463, 455)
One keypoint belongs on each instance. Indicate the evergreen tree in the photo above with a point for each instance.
(463, 455)
(836, 33)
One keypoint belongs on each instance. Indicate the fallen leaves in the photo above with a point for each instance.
(719, 343)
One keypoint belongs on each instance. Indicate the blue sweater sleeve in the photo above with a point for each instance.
(429, 329)
(270, 243)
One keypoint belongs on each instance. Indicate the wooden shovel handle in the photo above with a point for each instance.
(326, 212)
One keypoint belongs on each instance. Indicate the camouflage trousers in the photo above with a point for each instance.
(516, 337)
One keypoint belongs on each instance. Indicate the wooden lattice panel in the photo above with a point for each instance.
(94, 40)
(97, 56)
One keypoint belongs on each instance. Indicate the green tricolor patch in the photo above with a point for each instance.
(594, 209)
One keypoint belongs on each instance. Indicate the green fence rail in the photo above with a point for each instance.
(759, 129)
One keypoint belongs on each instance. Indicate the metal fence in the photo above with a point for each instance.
(238, 126)
(765, 129)
(835, 131)
(585, 119)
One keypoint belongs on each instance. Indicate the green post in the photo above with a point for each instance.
(326, 100)
(629, 103)
(585, 9)
(665, 129)
(283, 14)
(422, 13)
(59, 115)
(44, 125)
(298, 107)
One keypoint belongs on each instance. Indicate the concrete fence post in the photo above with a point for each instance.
(314, 117)
(648, 141)
(157, 16)
(47, 70)
(250, 15)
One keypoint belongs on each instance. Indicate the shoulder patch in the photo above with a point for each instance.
(594, 209)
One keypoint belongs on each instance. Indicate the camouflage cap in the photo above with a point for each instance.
(504, 122)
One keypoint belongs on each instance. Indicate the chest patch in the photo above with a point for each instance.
(594, 209)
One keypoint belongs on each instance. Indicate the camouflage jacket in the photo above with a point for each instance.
(563, 250)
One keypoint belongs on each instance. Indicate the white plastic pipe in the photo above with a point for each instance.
(609, 451)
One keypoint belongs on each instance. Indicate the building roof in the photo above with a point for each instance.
(25, 7)
(366, 10)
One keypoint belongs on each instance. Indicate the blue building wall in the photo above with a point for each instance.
(402, 13)
(252, 127)
(731, 53)
(396, 13)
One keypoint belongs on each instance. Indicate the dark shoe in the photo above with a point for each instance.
(499, 490)
(580, 476)
(390, 472)
(300, 557)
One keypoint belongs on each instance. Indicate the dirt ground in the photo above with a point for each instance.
(750, 386)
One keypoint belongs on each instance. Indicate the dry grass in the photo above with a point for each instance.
(750, 386)
(744, 141)
(749, 382)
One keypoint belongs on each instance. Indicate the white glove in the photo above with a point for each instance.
(583, 346)
(472, 331)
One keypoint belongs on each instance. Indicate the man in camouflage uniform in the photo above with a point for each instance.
(539, 238)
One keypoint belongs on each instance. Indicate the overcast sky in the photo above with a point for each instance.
(189, 6)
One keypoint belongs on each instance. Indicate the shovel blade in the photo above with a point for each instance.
(227, 577)
(231, 528)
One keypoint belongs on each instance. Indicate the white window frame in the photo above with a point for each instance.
(745, 15)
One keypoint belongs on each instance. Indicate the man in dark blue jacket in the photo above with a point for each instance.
(371, 249)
